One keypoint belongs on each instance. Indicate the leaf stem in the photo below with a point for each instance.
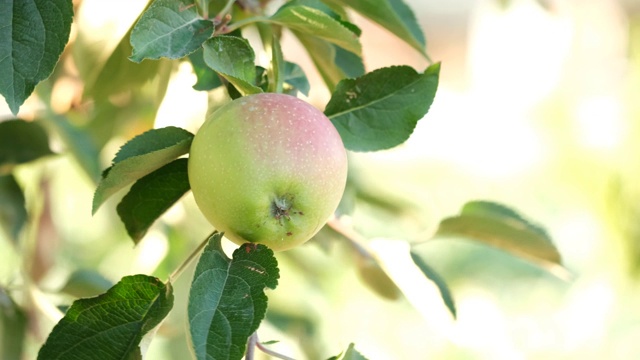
(356, 240)
(236, 25)
(254, 342)
(176, 273)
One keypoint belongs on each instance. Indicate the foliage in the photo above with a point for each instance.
(372, 111)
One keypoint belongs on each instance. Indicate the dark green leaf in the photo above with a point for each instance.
(350, 63)
(20, 142)
(227, 300)
(295, 77)
(151, 196)
(32, 37)
(432, 275)
(207, 78)
(86, 283)
(110, 326)
(169, 28)
(119, 73)
(314, 22)
(13, 213)
(380, 109)
(140, 156)
(233, 58)
(13, 328)
(496, 225)
(394, 15)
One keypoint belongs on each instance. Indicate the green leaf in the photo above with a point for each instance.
(120, 74)
(314, 22)
(207, 78)
(501, 227)
(353, 354)
(372, 275)
(13, 213)
(20, 142)
(86, 283)
(227, 300)
(350, 64)
(140, 156)
(169, 28)
(13, 328)
(32, 37)
(295, 77)
(380, 109)
(432, 275)
(278, 63)
(393, 15)
(79, 142)
(110, 326)
(323, 55)
(233, 58)
(151, 196)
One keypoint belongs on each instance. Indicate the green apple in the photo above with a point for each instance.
(269, 169)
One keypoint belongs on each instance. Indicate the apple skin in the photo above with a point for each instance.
(269, 169)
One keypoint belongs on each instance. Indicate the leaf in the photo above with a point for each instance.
(353, 354)
(380, 109)
(207, 78)
(13, 328)
(32, 37)
(295, 77)
(110, 326)
(233, 58)
(13, 213)
(377, 279)
(227, 300)
(120, 74)
(169, 28)
(501, 227)
(140, 156)
(432, 275)
(20, 142)
(151, 196)
(393, 15)
(323, 55)
(278, 65)
(86, 283)
(307, 20)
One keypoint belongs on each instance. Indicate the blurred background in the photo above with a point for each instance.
(537, 108)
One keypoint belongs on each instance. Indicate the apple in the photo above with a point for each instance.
(268, 168)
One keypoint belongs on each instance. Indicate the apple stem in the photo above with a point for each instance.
(254, 343)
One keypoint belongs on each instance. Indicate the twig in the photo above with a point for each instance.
(176, 273)
(265, 350)
(356, 240)
(251, 346)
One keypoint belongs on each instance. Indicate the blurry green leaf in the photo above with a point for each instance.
(270, 342)
(13, 328)
(141, 156)
(20, 142)
(432, 275)
(314, 22)
(119, 73)
(207, 78)
(233, 58)
(350, 63)
(169, 28)
(13, 213)
(278, 64)
(496, 225)
(79, 143)
(379, 110)
(393, 15)
(353, 354)
(151, 196)
(32, 37)
(110, 326)
(227, 300)
(377, 279)
(86, 283)
(294, 76)
(323, 55)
